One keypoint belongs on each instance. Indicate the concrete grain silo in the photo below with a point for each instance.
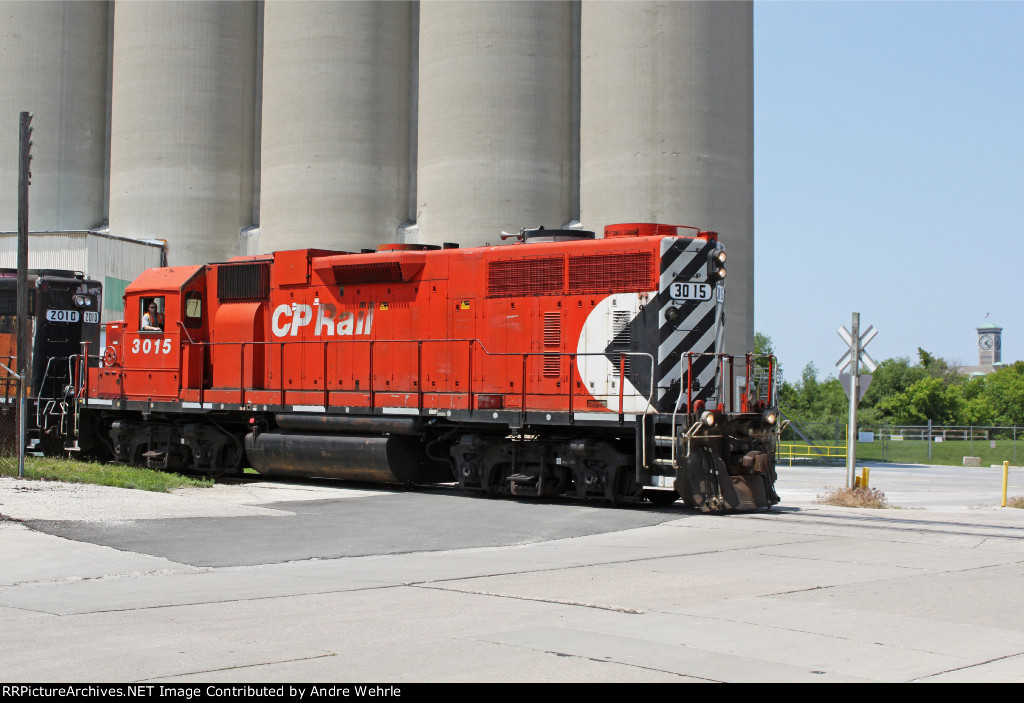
(54, 59)
(666, 128)
(182, 114)
(495, 111)
(334, 167)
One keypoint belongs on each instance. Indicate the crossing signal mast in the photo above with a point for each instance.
(855, 383)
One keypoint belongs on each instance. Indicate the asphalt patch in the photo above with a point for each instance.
(332, 529)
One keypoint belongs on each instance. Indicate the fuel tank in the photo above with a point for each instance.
(395, 459)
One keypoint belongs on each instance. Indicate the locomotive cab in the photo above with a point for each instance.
(152, 338)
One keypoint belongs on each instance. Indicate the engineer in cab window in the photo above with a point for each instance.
(152, 319)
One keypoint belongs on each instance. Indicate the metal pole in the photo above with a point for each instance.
(24, 323)
(929, 440)
(851, 442)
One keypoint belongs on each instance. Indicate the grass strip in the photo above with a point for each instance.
(74, 471)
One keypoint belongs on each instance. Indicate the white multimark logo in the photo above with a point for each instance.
(288, 319)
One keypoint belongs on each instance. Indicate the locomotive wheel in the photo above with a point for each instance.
(229, 463)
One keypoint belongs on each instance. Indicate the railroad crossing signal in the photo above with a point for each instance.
(855, 383)
(869, 334)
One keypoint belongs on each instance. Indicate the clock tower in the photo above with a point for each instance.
(990, 344)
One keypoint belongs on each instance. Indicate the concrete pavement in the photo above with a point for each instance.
(346, 584)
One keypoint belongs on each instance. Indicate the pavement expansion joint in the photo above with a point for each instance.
(967, 666)
(578, 604)
(593, 564)
(979, 568)
(916, 572)
(241, 666)
(841, 638)
(634, 666)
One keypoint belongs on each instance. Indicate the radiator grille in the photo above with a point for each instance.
(525, 277)
(243, 281)
(612, 273)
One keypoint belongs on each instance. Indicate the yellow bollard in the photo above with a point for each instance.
(864, 481)
(856, 481)
(1006, 476)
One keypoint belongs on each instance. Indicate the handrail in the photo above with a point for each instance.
(42, 385)
(472, 344)
(720, 356)
(372, 343)
(185, 330)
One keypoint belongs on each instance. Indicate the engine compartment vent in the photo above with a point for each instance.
(373, 272)
(526, 277)
(612, 273)
(243, 281)
(552, 340)
(622, 342)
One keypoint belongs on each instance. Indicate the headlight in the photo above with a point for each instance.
(708, 418)
(769, 417)
(83, 301)
(716, 271)
(672, 315)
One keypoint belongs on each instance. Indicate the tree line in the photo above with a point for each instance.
(903, 392)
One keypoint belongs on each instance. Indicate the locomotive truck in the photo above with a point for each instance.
(561, 365)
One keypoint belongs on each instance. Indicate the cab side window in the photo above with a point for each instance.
(151, 318)
(193, 309)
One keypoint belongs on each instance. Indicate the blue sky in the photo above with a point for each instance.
(889, 176)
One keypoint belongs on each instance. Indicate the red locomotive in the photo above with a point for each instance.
(561, 365)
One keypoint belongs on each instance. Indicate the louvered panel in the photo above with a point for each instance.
(243, 281)
(552, 340)
(525, 277)
(376, 272)
(622, 339)
(612, 273)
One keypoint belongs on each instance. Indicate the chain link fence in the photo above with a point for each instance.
(953, 445)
